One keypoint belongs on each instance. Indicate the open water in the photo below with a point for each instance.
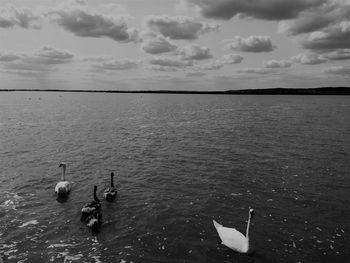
(180, 162)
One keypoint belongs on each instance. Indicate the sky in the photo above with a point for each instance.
(174, 44)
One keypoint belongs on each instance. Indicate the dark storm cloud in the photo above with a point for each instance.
(261, 9)
(178, 27)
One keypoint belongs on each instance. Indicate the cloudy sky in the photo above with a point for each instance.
(174, 44)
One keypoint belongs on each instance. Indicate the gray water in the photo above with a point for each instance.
(180, 162)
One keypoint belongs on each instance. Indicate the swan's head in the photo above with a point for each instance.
(251, 213)
(62, 165)
(112, 174)
(95, 188)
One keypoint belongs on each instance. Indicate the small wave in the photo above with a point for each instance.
(31, 222)
(61, 245)
(67, 257)
(236, 194)
(13, 200)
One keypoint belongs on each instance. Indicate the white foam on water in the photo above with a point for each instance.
(31, 222)
(61, 245)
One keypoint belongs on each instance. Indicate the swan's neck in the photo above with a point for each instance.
(112, 183)
(95, 196)
(247, 232)
(63, 173)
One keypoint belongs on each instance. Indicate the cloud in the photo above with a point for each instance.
(277, 64)
(213, 65)
(231, 59)
(178, 27)
(83, 22)
(195, 74)
(115, 9)
(170, 62)
(194, 52)
(50, 55)
(35, 63)
(162, 68)
(22, 17)
(254, 70)
(8, 56)
(260, 9)
(330, 38)
(328, 14)
(339, 54)
(338, 70)
(309, 59)
(251, 44)
(324, 28)
(158, 45)
(102, 64)
(184, 7)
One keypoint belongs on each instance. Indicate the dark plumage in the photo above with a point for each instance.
(111, 192)
(91, 211)
(94, 220)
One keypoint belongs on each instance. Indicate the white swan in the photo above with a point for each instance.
(234, 239)
(110, 193)
(63, 187)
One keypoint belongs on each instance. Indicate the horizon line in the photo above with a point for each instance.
(265, 91)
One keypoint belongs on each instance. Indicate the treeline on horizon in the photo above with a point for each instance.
(270, 91)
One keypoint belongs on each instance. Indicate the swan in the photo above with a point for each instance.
(63, 187)
(89, 208)
(110, 193)
(234, 239)
(91, 213)
(94, 220)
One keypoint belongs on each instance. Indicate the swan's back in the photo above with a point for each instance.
(62, 187)
(232, 238)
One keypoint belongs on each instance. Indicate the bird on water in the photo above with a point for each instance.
(110, 192)
(234, 239)
(63, 187)
(91, 212)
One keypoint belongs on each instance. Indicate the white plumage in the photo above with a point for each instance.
(63, 187)
(234, 239)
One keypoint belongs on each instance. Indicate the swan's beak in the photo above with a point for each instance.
(251, 212)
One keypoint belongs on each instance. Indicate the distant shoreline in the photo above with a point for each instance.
(271, 91)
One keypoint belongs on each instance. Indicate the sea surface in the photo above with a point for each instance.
(180, 162)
